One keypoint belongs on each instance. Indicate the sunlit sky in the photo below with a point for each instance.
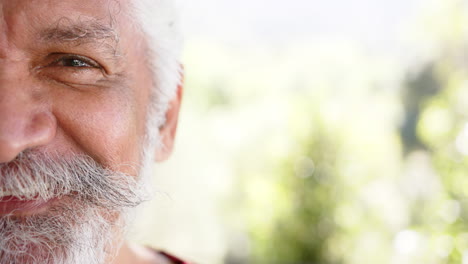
(373, 23)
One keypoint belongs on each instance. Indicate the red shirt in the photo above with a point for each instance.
(172, 258)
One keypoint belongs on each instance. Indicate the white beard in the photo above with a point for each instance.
(83, 227)
(52, 239)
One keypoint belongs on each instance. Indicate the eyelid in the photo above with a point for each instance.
(92, 63)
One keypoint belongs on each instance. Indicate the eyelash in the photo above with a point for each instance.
(82, 62)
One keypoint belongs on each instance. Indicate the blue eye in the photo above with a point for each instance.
(70, 62)
(75, 61)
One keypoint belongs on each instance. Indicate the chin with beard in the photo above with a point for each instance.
(84, 222)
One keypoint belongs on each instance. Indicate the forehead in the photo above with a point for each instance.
(68, 8)
(19, 17)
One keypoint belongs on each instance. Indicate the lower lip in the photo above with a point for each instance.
(12, 205)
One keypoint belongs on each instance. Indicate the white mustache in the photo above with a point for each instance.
(34, 175)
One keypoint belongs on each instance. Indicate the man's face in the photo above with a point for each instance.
(74, 93)
(72, 80)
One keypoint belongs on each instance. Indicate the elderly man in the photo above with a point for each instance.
(90, 93)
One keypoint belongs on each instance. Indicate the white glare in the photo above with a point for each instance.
(461, 142)
(407, 242)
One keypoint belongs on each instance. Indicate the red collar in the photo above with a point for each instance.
(174, 259)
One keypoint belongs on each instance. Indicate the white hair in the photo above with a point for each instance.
(157, 20)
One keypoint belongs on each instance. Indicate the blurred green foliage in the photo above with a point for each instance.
(343, 157)
(308, 191)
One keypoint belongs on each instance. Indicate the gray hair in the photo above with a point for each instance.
(157, 20)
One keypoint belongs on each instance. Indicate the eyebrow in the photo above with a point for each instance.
(82, 32)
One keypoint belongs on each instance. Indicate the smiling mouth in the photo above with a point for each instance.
(18, 206)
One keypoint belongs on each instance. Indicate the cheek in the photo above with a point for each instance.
(105, 126)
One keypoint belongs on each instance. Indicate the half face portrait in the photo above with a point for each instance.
(89, 100)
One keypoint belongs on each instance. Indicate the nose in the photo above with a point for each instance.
(25, 122)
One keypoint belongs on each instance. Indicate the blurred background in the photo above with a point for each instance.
(325, 132)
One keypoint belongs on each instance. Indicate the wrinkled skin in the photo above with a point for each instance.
(73, 80)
